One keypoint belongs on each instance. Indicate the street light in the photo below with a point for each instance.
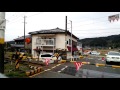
(71, 40)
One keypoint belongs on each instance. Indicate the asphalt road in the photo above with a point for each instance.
(68, 70)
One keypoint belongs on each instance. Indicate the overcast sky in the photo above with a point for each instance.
(85, 24)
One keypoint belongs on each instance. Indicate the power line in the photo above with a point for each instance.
(93, 22)
(21, 18)
(16, 18)
(96, 29)
(96, 33)
(10, 17)
(34, 14)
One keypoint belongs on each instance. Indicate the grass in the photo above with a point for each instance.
(9, 71)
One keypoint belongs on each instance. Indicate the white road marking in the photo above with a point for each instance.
(54, 67)
(59, 71)
(58, 65)
(63, 69)
(66, 66)
(45, 70)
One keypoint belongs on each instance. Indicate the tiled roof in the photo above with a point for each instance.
(51, 31)
(56, 30)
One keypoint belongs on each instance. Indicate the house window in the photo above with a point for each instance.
(69, 42)
(38, 40)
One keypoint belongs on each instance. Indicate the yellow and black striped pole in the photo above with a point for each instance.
(2, 35)
(56, 55)
(17, 64)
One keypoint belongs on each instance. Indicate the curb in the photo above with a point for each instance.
(104, 65)
(34, 71)
(27, 73)
(85, 62)
(115, 66)
(40, 70)
(62, 61)
(72, 61)
(97, 64)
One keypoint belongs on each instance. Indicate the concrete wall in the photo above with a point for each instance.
(60, 41)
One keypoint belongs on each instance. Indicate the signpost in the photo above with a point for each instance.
(47, 60)
(113, 17)
(2, 34)
(78, 65)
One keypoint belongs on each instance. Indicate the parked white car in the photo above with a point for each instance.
(94, 53)
(112, 56)
(87, 53)
(47, 55)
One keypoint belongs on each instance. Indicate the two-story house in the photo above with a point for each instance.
(51, 39)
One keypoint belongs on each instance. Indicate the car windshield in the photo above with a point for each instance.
(113, 53)
(46, 55)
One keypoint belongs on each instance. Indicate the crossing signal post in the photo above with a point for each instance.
(2, 33)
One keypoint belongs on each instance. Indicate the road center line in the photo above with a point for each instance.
(54, 67)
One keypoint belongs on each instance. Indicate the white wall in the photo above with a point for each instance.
(34, 37)
(60, 41)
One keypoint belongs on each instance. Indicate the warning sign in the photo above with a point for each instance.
(78, 65)
(1, 40)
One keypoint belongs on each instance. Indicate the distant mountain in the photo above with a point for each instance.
(109, 41)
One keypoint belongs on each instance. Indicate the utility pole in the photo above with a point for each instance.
(2, 35)
(66, 36)
(71, 40)
(24, 31)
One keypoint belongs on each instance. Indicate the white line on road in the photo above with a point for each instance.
(58, 65)
(63, 69)
(59, 71)
(54, 67)
(66, 66)
(48, 69)
(45, 70)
